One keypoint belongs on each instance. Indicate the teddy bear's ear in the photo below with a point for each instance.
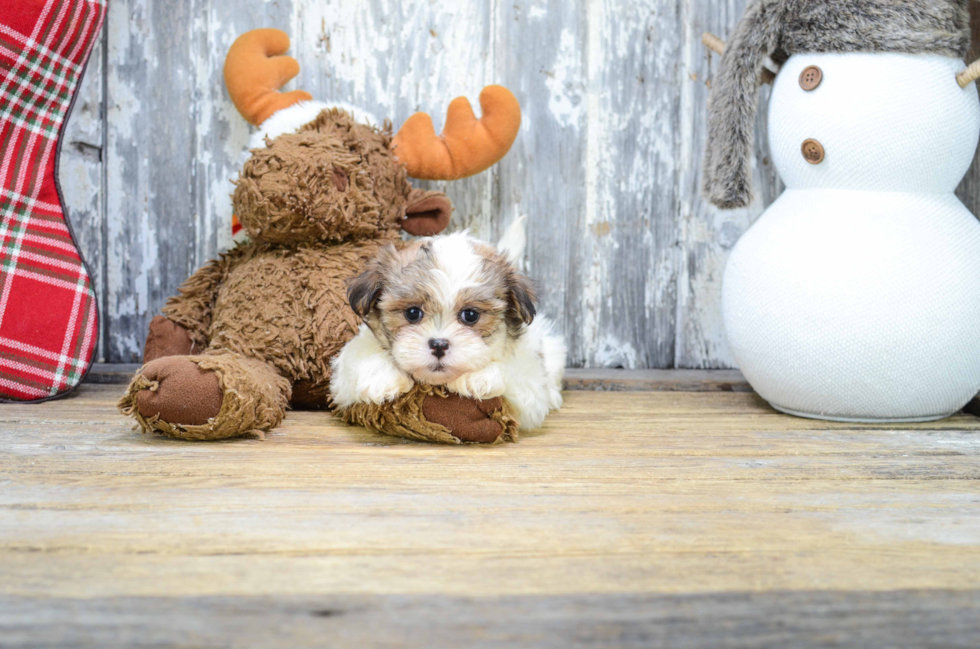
(467, 145)
(427, 213)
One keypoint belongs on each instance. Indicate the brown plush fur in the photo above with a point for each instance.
(254, 399)
(407, 417)
(781, 28)
(167, 338)
(285, 305)
(269, 315)
(335, 180)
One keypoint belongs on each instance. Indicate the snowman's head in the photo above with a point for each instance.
(866, 106)
(878, 122)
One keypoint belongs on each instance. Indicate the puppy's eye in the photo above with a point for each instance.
(469, 316)
(413, 314)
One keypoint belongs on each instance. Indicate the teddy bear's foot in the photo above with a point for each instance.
(433, 414)
(176, 390)
(214, 396)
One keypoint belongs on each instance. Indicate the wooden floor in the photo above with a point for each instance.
(631, 519)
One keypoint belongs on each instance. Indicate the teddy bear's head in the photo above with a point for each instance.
(333, 180)
(317, 174)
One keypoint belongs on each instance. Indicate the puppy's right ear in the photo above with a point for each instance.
(521, 309)
(364, 291)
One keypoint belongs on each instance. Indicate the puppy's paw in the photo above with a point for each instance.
(482, 384)
(385, 384)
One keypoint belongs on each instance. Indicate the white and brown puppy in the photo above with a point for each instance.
(452, 311)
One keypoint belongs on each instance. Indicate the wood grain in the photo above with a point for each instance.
(634, 514)
(544, 177)
(931, 618)
(627, 251)
(628, 257)
(638, 492)
(629, 512)
(656, 380)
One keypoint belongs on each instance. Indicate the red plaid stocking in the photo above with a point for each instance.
(48, 317)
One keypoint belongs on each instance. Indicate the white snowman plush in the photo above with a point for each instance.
(856, 295)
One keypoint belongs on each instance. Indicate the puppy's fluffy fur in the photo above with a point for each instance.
(451, 311)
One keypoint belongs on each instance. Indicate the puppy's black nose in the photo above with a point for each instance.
(438, 346)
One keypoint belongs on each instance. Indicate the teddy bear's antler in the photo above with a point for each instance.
(255, 70)
(468, 145)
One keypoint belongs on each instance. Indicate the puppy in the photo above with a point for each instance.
(452, 311)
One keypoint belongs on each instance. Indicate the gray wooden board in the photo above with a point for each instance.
(627, 256)
(544, 176)
(917, 618)
(575, 379)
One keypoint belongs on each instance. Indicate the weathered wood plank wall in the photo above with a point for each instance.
(627, 255)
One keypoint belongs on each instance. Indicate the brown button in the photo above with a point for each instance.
(813, 152)
(810, 78)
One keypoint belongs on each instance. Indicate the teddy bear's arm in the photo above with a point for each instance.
(191, 307)
(436, 415)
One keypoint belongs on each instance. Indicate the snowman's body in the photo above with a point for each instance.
(856, 295)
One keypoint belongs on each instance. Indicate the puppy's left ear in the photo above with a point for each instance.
(520, 309)
(364, 291)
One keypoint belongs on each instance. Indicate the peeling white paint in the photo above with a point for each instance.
(613, 95)
(610, 352)
(564, 82)
(592, 288)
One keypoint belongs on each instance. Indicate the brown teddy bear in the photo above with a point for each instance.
(253, 331)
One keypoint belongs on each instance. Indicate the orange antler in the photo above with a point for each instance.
(254, 72)
(468, 145)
